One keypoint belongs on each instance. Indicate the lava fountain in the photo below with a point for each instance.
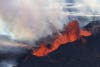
(71, 33)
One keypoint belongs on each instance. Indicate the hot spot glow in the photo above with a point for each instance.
(71, 33)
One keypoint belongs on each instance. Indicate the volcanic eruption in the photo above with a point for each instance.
(37, 30)
(71, 33)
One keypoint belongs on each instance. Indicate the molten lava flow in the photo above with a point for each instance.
(42, 51)
(85, 33)
(71, 33)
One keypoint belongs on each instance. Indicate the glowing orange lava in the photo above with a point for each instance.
(71, 33)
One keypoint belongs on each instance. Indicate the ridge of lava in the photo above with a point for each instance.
(71, 33)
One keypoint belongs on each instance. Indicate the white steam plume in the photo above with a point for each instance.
(31, 19)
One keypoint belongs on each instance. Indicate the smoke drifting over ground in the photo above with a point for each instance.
(33, 19)
(30, 20)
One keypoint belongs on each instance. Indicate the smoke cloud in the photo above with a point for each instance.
(30, 20)
(33, 19)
